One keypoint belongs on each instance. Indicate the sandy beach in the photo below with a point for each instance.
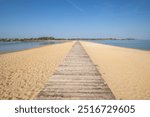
(23, 74)
(126, 71)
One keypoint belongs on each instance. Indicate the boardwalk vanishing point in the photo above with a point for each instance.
(76, 78)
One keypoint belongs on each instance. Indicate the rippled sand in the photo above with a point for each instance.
(126, 71)
(24, 73)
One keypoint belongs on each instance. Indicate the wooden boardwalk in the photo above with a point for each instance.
(76, 78)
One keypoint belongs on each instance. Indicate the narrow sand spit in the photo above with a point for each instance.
(76, 78)
(126, 71)
(24, 73)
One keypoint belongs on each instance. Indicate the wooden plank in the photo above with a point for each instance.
(76, 78)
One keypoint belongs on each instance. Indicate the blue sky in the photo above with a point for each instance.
(75, 18)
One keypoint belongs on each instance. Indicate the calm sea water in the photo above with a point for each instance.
(15, 46)
(137, 44)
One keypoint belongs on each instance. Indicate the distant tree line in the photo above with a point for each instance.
(52, 38)
(27, 39)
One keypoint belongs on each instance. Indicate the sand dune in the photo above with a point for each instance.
(24, 73)
(126, 71)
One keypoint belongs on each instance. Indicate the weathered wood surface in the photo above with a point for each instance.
(76, 78)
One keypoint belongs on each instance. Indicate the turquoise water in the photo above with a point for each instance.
(15, 46)
(137, 44)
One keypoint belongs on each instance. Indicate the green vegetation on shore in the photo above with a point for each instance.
(26, 39)
(52, 38)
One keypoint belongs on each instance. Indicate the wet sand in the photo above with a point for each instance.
(126, 71)
(23, 74)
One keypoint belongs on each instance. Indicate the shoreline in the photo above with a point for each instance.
(119, 46)
(24, 73)
(63, 41)
(5, 52)
(126, 71)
